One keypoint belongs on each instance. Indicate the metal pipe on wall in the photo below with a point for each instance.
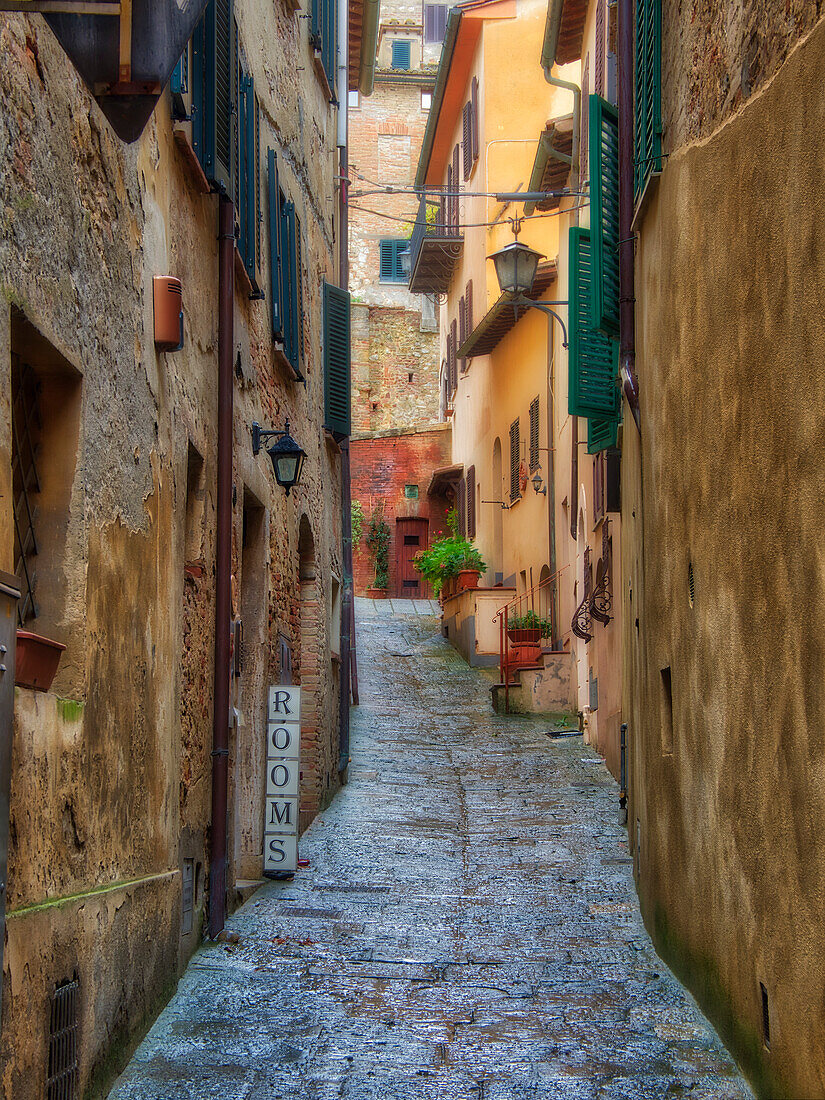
(627, 289)
(223, 567)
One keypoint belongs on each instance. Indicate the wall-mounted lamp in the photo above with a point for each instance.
(287, 457)
(538, 485)
(516, 266)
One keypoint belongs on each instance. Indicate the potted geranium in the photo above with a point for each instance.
(443, 562)
(528, 629)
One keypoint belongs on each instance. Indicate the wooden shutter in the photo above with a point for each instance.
(299, 282)
(468, 306)
(452, 346)
(199, 98)
(275, 277)
(647, 154)
(430, 16)
(583, 122)
(471, 503)
(534, 434)
(400, 54)
(604, 214)
(336, 360)
(448, 201)
(515, 457)
(462, 329)
(225, 95)
(385, 260)
(462, 508)
(246, 173)
(291, 273)
(474, 103)
(455, 189)
(467, 138)
(214, 64)
(593, 358)
(601, 434)
(598, 73)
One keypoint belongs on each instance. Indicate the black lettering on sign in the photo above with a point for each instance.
(281, 813)
(281, 738)
(280, 702)
(279, 775)
(276, 850)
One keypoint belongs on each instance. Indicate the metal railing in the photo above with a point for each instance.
(437, 217)
(528, 625)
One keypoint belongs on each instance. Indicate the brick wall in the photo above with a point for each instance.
(382, 465)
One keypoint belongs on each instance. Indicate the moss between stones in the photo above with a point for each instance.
(701, 976)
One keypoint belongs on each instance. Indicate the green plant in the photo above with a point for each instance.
(531, 621)
(357, 513)
(378, 541)
(446, 557)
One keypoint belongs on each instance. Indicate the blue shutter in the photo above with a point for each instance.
(179, 83)
(289, 288)
(604, 214)
(248, 174)
(213, 92)
(400, 54)
(647, 153)
(275, 276)
(592, 358)
(336, 360)
(242, 177)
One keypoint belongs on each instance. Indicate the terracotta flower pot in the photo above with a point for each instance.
(467, 578)
(524, 635)
(524, 655)
(377, 593)
(37, 660)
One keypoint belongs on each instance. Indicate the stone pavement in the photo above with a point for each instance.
(467, 929)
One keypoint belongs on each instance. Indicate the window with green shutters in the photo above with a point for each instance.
(390, 269)
(324, 36)
(593, 357)
(604, 214)
(647, 153)
(247, 189)
(601, 435)
(214, 74)
(336, 360)
(400, 57)
(285, 267)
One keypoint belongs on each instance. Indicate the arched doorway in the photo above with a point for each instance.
(309, 664)
(498, 515)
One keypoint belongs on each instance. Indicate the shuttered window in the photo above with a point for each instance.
(598, 76)
(400, 57)
(471, 502)
(214, 70)
(462, 508)
(462, 329)
(285, 267)
(604, 214)
(601, 434)
(534, 434)
(647, 153)
(247, 190)
(324, 36)
(515, 459)
(455, 204)
(474, 105)
(583, 158)
(452, 362)
(435, 22)
(275, 276)
(592, 357)
(467, 138)
(336, 360)
(468, 305)
(390, 269)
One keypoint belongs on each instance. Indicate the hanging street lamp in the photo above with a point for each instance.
(286, 455)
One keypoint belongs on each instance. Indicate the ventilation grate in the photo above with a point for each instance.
(61, 1082)
(691, 585)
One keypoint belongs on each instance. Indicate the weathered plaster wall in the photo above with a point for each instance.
(726, 814)
(112, 770)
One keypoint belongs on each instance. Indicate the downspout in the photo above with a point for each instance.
(568, 86)
(223, 567)
(627, 289)
(347, 649)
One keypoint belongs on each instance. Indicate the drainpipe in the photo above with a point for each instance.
(627, 292)
(347, 640)
(557, 82)
(223, 567)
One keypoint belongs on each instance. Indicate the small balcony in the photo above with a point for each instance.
(436, 244)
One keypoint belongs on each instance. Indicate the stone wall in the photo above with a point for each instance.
(111, 784)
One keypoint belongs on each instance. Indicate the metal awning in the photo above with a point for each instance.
(445, 477)
(554, 156)
(503, 316)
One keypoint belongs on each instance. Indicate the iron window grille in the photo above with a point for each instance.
(61, 1080)
(26, 427)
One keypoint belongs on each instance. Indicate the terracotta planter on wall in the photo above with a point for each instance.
(377, 593)
(36, 661)
(467, 578)
(524, 635)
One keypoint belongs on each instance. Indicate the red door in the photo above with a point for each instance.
(410, 537)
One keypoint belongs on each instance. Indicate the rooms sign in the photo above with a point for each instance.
(283, 747)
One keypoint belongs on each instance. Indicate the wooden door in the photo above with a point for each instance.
(410, 537)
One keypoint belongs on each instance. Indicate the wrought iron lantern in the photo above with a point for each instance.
(516, 267)
(286, 455)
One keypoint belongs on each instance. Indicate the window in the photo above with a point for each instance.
(426, 100)
(353, 99)
(471, 502)
(285, 271)
(583, 122)
(452, 361)
(598, 76)
(599, 495)
(469, 130)
(534, 434)
(435, 22)
(400, 56)
(324, 36)
(604, 215)
(647, 154)
(214, 74)
(247, 182)
(515, 459)
(336, 360)
(390, 269)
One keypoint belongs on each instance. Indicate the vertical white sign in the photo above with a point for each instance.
(283, 761)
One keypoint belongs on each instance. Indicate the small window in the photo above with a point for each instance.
(412, 540)
(515, 461)
(401, 54)
(390, 268)
(534, 434)
(435, 22)
(411, 492)
(353, 99)
(426, 100)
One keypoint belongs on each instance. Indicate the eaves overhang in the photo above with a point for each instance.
(502, 316)
(362, 45)
(551, 167)
(563, 32)
(450, 35)
(444, 478)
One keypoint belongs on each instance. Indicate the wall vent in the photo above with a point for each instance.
(188, 896)
(61, 1080)
(766, 1018)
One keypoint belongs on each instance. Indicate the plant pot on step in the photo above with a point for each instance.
(524, 635)
(467, 578)
(36, 661)
(521, 655)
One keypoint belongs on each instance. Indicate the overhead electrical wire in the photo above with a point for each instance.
(468, 225)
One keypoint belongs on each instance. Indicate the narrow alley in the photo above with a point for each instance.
(467, 926)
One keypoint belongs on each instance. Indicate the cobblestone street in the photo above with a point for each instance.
(467, 927)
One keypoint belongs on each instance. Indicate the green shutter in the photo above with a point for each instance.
(289, 287)
(647, 153)
(200, 100)
(324, 36)
(604, 213)
(336, 360)
(601, 434)
(213, 93)
(275, 277)
(593, 358)
(242, 182)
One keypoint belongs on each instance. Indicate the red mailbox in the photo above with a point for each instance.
(168, 302)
